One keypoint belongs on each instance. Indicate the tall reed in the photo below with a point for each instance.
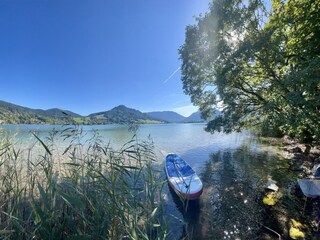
(87, 190)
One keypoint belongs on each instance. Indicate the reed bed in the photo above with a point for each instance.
(86, 190)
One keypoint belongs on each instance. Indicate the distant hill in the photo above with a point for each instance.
(196, 116)
(58, 113)
(15, 114)
(173, 117)
(167, 116)
(121, 114)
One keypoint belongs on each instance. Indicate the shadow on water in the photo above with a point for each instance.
(233, 196)
(190, 211)
(231, 204)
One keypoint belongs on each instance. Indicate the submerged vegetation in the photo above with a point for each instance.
(87, 190)
(239, 206)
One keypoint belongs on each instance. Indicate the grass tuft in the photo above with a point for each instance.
(87, 190)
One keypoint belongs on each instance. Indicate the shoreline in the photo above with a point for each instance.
(301, 159)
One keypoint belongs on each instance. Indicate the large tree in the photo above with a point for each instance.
(262, 62)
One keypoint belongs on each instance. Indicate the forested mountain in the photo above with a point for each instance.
(167, 116)
(121, 114)
(11, 113)
(196, 116)
(174, 117)
(15, 114)
(57, 113)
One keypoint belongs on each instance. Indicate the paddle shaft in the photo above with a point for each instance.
(180, 176)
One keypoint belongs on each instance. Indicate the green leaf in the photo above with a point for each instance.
(79, 237)
(5, 232)
(43, 144)
(154, 212)
(72, 200)
(43, 195)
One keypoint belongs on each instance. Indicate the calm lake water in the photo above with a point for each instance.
(233, 168)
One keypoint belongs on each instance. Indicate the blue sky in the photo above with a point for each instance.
(92, 55)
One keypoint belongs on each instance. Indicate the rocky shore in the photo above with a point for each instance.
(293, 206)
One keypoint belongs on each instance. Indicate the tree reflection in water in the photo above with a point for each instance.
(231, 204)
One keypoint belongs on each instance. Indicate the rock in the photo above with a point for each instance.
(296, 150)
(305, 169)
(287, 139)
(316, 171)
(307, 150)
(271, 185)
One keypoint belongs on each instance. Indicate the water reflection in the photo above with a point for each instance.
(231, 206)
(235, 212)
(233, 168)
(190, 211)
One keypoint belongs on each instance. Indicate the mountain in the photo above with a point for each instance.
(121, 114)
(15, 114)
(58, 113)
(12, 113)
(167, 116)
(196, 116)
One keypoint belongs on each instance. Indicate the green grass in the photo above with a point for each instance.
(149, 122)
(86, 191)
(78, 120)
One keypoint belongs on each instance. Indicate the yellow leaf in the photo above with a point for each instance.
(296, 224)
(295, 233)
(270, 199)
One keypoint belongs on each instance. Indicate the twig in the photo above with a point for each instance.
(272, 231)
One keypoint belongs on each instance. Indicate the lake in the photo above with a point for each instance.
(188, 140)
(233, 168)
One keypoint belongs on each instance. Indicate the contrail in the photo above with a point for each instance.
(165, 81)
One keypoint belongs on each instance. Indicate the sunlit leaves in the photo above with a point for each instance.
(263, 66)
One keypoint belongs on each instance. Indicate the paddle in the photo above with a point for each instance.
(180, 176)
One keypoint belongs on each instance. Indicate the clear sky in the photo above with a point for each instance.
(92, 55)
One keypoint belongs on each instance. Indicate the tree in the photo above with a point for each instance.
(263, 66)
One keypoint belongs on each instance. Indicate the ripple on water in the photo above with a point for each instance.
(230, 207)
